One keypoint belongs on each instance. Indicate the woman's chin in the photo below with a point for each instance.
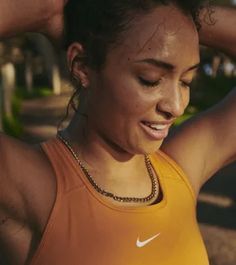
(153, 149)
(149, 148)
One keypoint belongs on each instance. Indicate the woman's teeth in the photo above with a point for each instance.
(155, 131)
(156, 126)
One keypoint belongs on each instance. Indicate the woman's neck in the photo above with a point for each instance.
(112, 168)
(93, 147)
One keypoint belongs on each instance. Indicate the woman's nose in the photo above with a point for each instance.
(173, 103)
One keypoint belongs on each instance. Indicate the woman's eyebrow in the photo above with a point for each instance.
(165, 65)
(194, 67)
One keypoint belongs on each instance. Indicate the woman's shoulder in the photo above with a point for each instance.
(17, 156)
(9, 145)
(27, 178)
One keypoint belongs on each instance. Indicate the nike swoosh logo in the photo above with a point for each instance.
(141, 244)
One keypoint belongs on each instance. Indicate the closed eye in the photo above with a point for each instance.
(148, 83)
(185, 84)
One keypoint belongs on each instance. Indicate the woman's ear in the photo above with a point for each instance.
(76, 58)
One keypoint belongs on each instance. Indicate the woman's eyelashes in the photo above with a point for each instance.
(186, 84)
(148, 83)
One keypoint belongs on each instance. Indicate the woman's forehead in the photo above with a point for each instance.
(164, 32)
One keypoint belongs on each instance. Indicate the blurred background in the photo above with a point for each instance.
(34, 93)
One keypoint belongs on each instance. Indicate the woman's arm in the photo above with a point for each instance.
(207, 142)
(45, 16)
(20, 215)
(218, 29)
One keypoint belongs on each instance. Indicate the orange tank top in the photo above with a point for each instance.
(86, 229)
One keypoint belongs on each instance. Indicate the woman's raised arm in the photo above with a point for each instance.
(218, 29)
(45, 16)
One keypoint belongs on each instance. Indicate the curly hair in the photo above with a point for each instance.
(97, 24)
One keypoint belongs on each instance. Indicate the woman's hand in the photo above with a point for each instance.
(44, 16)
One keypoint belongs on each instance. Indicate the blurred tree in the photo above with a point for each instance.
(9, 53)
(8, 85)
(222, 2)
(51, 60)
(26, 61)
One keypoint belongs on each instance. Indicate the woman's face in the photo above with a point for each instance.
(144, 85)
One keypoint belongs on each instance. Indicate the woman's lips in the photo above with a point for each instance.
(157, 131)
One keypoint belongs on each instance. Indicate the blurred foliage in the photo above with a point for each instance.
(37, 92)
(222, 2)
(208, 90)
(12, 125)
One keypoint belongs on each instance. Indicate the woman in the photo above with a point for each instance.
(101, 192)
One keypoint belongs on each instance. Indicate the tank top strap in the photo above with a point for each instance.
(66, 169)
(171, 170)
